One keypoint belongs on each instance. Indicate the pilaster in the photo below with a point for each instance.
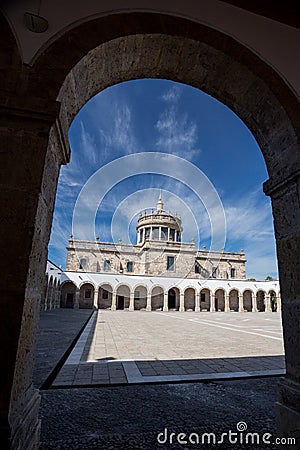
(197, 302)
(268, 303)
(165, 308)
(148, 306)
(96, 294)
(241, 303)
(131, 301)
(227, 308)
(77, 298)
(212, 303)
(114, 301)
(254, 303)
(181, 302)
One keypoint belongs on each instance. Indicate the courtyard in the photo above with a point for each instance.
(97, 410)
(120, 347)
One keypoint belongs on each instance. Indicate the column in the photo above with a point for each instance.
(165, 308)
(197, 302)
(286, 211)
(278, 303)
(32, 167)
(131, 301)
(96, 293)
(254, 302)
(227, 308)
(114, 301)
(168, 234)
(181, 301)
(139, 236)
(175, 237)
(241, 304)
(268, 303)
(77, 297)
(148, 307)
(212, 303)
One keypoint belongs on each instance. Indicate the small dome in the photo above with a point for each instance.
(159, 225)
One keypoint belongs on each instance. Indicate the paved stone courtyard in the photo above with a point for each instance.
(119, 347)
(130, 416)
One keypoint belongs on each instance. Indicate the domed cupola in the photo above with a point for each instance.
(158, 225)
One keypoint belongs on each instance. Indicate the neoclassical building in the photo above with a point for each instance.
(161, 273)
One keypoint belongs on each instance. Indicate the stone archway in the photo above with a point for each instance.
(86, 296)
(247, 300)
(172, 304)
(260, 301)
(140, 297)
(122, 297)
(67, 295)
(105, 296)
(157, 298)
(220, 300)
(205, 300)
(131, 46)
(234, 300)
(273, 300)
(189, 299)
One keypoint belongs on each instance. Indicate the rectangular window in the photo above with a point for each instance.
(136, 295)
(130, 266)
(202, 297)
(105, 294)
(164, 233)
(232, 272)
(155, 233)
(170, 263)
(172, 234)
(197, 268)
(107, 265)
(83, 263)
(214, 272)
(147, 233)
(88, 293)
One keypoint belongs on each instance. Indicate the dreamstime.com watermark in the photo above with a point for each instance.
(239, 436)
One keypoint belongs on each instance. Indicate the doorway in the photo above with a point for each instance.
(70, 300)
(171, 299)
(120, 302)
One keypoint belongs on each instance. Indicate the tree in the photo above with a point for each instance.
(269, 278)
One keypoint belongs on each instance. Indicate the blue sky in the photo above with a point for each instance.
(166, 118)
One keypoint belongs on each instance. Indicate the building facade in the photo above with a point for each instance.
(159, 251)
(161, 273)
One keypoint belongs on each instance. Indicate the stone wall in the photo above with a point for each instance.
(151, 259)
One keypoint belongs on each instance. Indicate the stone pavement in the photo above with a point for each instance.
(58, 328)
(131, 417)
(119, 347)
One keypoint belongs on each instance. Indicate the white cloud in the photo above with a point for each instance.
(117, 134)
(249, 221)
(177, 134)
(173, 94)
